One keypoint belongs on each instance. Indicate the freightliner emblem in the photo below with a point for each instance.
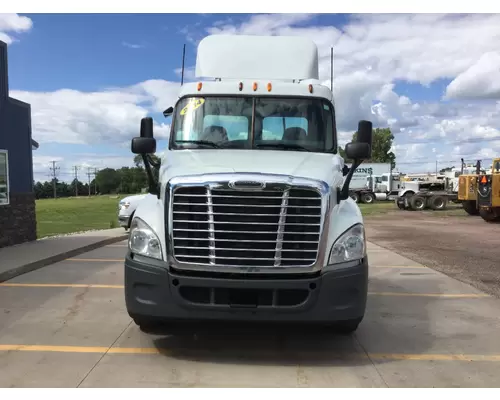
(247, 185)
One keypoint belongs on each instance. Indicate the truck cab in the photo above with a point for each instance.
(251, 218)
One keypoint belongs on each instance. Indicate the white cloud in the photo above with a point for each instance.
(108, 116)
(481, 80)
(373, 52)
(133, 45)
(13, 23)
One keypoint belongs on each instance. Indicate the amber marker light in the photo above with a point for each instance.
(199, 86)
(269, 87)
(254, 86)
(240, 86)
(310, 88)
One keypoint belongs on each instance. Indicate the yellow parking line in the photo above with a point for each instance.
(444, 295)
(83, 285)
(96, 259)
(64, 285)
(399, 266)
(154, 350)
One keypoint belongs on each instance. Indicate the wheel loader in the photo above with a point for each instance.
(480, 193)
(488, 193)
(467, 190)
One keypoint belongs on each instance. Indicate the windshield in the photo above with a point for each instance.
(303, 124)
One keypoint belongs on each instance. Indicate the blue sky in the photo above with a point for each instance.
(67, 64)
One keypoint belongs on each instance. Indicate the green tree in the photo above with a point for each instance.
(107, 180)
(381, 147)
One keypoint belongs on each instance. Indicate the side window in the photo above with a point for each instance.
(235, 126)
(273, 128)
(385, 178)
(4, 177)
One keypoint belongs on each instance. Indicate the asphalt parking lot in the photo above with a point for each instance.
(65, 325)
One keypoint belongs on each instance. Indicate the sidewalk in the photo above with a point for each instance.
(22, 258)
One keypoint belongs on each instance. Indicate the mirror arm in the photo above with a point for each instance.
(343, 194)
(153, 186)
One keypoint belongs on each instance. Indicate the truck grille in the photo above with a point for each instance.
(265, 228)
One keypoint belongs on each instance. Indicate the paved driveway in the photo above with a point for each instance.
(65, 325)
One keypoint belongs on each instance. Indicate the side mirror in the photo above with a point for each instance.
(168, 112)
(143, 145)
(147, 127)
(358, 151)
(497, 166)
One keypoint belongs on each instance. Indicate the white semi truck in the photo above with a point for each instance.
(374, 181)
(251, 218)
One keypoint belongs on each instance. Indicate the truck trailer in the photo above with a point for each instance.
(250, 218)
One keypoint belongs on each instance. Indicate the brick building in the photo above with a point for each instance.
(17, 197)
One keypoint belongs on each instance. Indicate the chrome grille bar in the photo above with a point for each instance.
(281, 229)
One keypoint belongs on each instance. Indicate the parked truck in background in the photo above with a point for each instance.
(374, 181)
(251, 218)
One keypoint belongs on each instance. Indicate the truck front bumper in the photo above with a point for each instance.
(152, 291)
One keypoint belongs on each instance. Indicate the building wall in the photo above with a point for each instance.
(18, 218)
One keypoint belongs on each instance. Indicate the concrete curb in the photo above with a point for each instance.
(23, 269)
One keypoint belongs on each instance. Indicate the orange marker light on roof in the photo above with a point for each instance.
(269, 87)
(199, 86)
(310, 88)
(254, 86)
(240, 86)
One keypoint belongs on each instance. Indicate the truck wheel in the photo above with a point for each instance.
(400, 202)
(470, 207)
(489, 215)
(438, 202)
(368, 198)
(147, 325)
(417, 203)
(354, 196)
(346, 327)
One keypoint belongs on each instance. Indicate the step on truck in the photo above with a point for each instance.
(250, 218)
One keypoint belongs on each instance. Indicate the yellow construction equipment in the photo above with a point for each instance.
(467, 190)
(488, 193)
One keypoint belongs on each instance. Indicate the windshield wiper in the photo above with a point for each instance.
(200, 142)
(285, 146)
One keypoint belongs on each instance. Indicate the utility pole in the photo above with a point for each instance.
(95, 180)
(88, 175)
(54, 170)
(436, 168)
(76, 180)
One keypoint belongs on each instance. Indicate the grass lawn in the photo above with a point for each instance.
(67, 215)
(74, 214)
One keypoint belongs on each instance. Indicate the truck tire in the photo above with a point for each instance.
(147, 325)
(368, 198)
(438, 202)
(400, 202)
(470, 207)
(346, 327)
(418, 203)
(354, 196)
(489, 215)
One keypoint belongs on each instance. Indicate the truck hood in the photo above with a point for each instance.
(324, 167)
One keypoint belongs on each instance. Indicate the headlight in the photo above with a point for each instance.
(143, 240)
(351, 245)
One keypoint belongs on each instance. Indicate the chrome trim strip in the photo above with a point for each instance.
(281, 229)
(211, 227)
